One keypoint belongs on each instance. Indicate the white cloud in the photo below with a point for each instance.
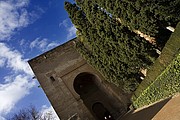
(51, 45)
(12, 92)
(16, 85)
(14, 60)
(2, 62)
(2, 118)
(8, 79)
(24, 46)
(64, 23)
(49, 112)
(20, 3)
(42, 44)
(71, 32)
(14, 16)
(38, 43)
(70, 28)
(22, 42)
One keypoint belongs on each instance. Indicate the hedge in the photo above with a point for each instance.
(167, 84)
(169, 52)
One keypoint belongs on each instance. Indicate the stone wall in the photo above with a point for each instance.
(56, 71)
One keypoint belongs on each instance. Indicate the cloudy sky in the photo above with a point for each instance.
(28, 28)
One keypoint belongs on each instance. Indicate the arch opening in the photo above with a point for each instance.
(85, 84)
(94, 98)
(101, 112)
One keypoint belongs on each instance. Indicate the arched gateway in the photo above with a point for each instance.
(75, 89)
(94, 97)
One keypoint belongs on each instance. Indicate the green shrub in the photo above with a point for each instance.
(169, 52)
(167, 84)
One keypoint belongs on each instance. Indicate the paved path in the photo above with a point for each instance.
(171, 111)
(168, 109)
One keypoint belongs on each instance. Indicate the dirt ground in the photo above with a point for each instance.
(168, 109)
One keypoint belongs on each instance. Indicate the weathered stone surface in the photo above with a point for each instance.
(56, 71)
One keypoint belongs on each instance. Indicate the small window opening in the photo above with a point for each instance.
(52, 79)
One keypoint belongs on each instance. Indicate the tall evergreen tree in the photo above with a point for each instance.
(114, 50)
(151, 17)
(108, 28)
(165, 11)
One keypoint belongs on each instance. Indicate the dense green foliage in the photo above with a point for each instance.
(110, 47)
(110, 44)
(167, 84)
(148, 16)
(170, 50)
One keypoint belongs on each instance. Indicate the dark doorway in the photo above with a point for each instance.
(84, 85)
(94, 97)
(101, 112)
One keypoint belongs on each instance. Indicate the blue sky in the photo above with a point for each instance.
(28, 28)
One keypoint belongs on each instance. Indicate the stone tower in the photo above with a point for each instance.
(75, 89)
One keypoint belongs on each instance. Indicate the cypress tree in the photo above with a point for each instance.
(111, 48)
(113, 32)
(151, 17)
(167, 12)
